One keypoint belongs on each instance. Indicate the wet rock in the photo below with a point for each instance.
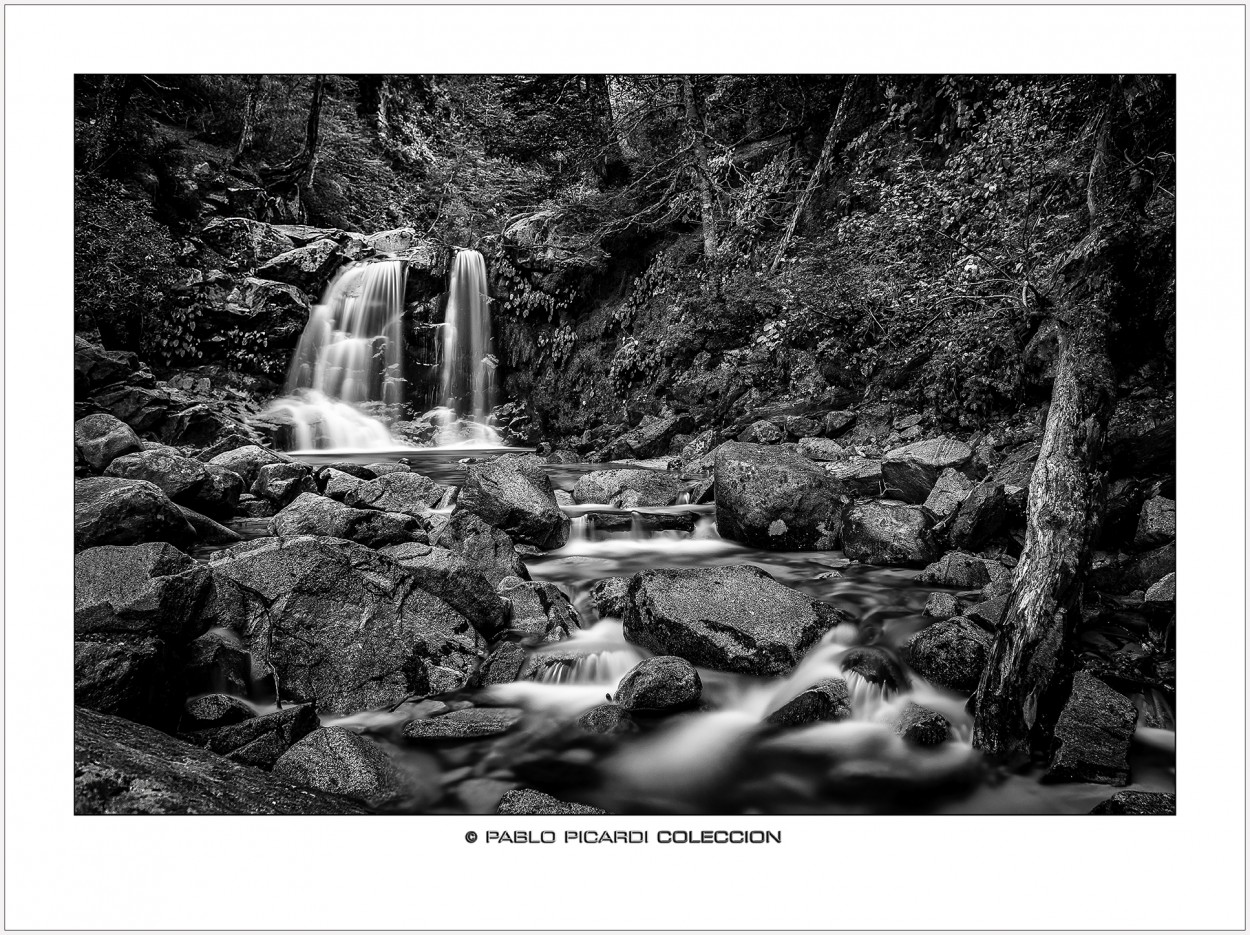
(950, 654)
(504, 664)
(226, 443)
(135, 678)
(464, 724)
(121, 511)
(338, 485)
(1093, 734)
(382, 468)
(281, 483)
(629, 488)
(638, 522)
(648, 440)
(398, 492)
(762, 433)
(732, 617)
(336, 760)
(887, 532)
(961, 570)
(219, 497)
(1131, 802)
(308, 268)
(540, 611)
(700, 445)
(776, 499)
(911, 472)
(607, 719)
(454, 579)
(659, 684)
(491, 550)
(179, 477)
(861, 476)
(514, 494)
(609, 596)
(244, 242)
(1157, 524)
(138, 591)
(340, 624)
(821, 449)
(981, 516)
(217, 662)
(314, 515)
(481, 796)
(876, 665)
(949, 491)
(532, 802)
(827, 700)
(196, 426)
(100, 438)
(122, 768)
(990, 614)
(1163, 591)
(247, 461)
(216, 710)
(207, 530)
(250, 507)
(95, 368)
(838, 421)
(260, 741)
(943, 606)
(920, 726)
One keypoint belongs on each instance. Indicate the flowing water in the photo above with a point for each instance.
(467, 359)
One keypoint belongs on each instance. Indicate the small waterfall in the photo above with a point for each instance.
(468, 364)
(351, 353)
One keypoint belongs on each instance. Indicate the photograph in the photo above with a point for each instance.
(624, 444)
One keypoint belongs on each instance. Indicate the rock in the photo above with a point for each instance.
(121, 511)
(990, 614)
(943, 606)
(338, 485)
(827, 700)
(95, 368)
(1093, 734)
(920, 726)
(1131, 802)
(1133, 573)
(247, 461)
(950, 654)
(860, 475)
(699, 446)
(216, 710)
(219, 497)
(1163, 591)
(887, 532)
(207, 530)
(1121, 513)
(100, 438)
(532, 802)
(336, 760)
(609, 596)
(539, 610)
(392, 241)
(138, 591)
(821, 449)
(628, 489)
(253, 507)
(949, 491)
(514, 494)
(481, 796)
(875, 664)
(491, 550)
(762, 433)
(607, 719)
(776, 499)
(143, 409)
(313, 515)
(837, 422)
(309, 268)
(134, 678)
(659, 684)
(122, 768)
(341, 625)
(633, 523)
(731, 617)
(187, 481)
(980, 517)
(1157, 523)
(503, 664)
(217, 662)
(458, 582)
(398, 492)
(281, 483)
(464, 724)
(382, 468)
(800, 427)
(961, 570)
(226, 443)
(911, 472)
(260, 741)
(1016, 469)
(196, 426)
(647, 441)
(244, 242)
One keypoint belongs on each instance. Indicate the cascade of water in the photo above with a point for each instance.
(468, 364)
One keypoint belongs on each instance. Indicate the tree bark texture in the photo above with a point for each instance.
(700, 168)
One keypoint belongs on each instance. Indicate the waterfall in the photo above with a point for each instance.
(468, 365)
(351, 353)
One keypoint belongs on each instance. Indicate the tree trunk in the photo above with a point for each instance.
(249, 117)
(1026, 670)
(111, 103)
(293, 177)
(818, 174)
(700, 168)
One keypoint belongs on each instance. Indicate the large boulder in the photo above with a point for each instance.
(397, 492)
(187, 481)
(122, 768)
(100, 438)
(981, 516)
(133, 678)
(121, 511)
(888, 532)
(311, 514)
(921, 726)
(453, 578)
(648, 440)
(1157, 524)
(660, 684)
(246, 461)
(144, 409)
(260, 741)
(949, 491)
(281, 483)
(217, 662)
(775, 498)
(244, 242)
(515, 494)
(1093, 734)
(731, 617)
(910, 472)
(95, 368)
(339, 761)
(861, 476)
(196, 426)
(962, 570)
(629, 488)
(539, 612)
(950, 654)
(309, 268)
(340, 624)
(491, 550)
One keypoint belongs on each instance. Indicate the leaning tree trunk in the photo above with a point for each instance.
(699, 150)
(1028, 658)
(818, 174)
(295, 176)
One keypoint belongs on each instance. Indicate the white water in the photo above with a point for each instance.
(468, 364)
